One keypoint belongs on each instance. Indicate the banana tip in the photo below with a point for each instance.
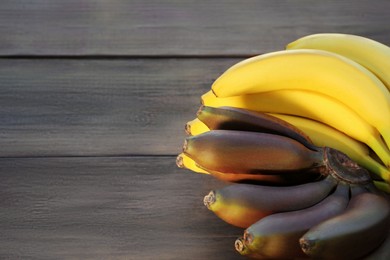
(239, 244)
(209, 199)
(180, 161)
(290, 45)
(185, 145)
(187, 129)
(306, 245)
(242, 246)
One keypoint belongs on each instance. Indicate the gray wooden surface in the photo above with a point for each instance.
(94, 96)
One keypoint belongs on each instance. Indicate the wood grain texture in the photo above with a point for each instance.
(111, 208)
(175, 27)
(92, 109)
(108, 208)
(81, 107)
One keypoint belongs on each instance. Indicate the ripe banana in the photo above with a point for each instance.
(243, 204)
(183, 161)
(245, 152)
(311, 105)
(230, 118)
(312, 70)
(324, 135)
(195, 127)
(321, 134)
(361, 228)
(277, 235)
(373, 55)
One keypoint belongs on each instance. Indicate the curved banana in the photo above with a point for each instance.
(312, 70)
(324, 135)
(183, 161)
(321, 134)
(195, 127)
(231, 118)
(243, 204)
(373, 55)
(353, 234)
(310, 105)
(245, 152)
(277, 235)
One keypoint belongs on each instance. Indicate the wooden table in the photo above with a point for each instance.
(94, 96)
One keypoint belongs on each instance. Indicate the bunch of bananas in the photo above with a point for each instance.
(302, 136)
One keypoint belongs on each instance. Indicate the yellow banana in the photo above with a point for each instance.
(312, 70)
(310, 105)
(195, 127)
(324, 135)
(373, 55)
(183, 161)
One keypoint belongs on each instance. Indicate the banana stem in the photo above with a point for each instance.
(381, 149)
(343, 168)
(385, 133)
(377, 169)
(383, 186)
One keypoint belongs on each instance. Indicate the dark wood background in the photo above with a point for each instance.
(94, 96)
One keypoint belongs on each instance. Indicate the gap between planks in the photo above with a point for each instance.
(127, 57)
(93, 156)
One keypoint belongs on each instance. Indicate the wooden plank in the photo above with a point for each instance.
(82, 107)
(108, 208)
(111, 208)
(176, 27)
